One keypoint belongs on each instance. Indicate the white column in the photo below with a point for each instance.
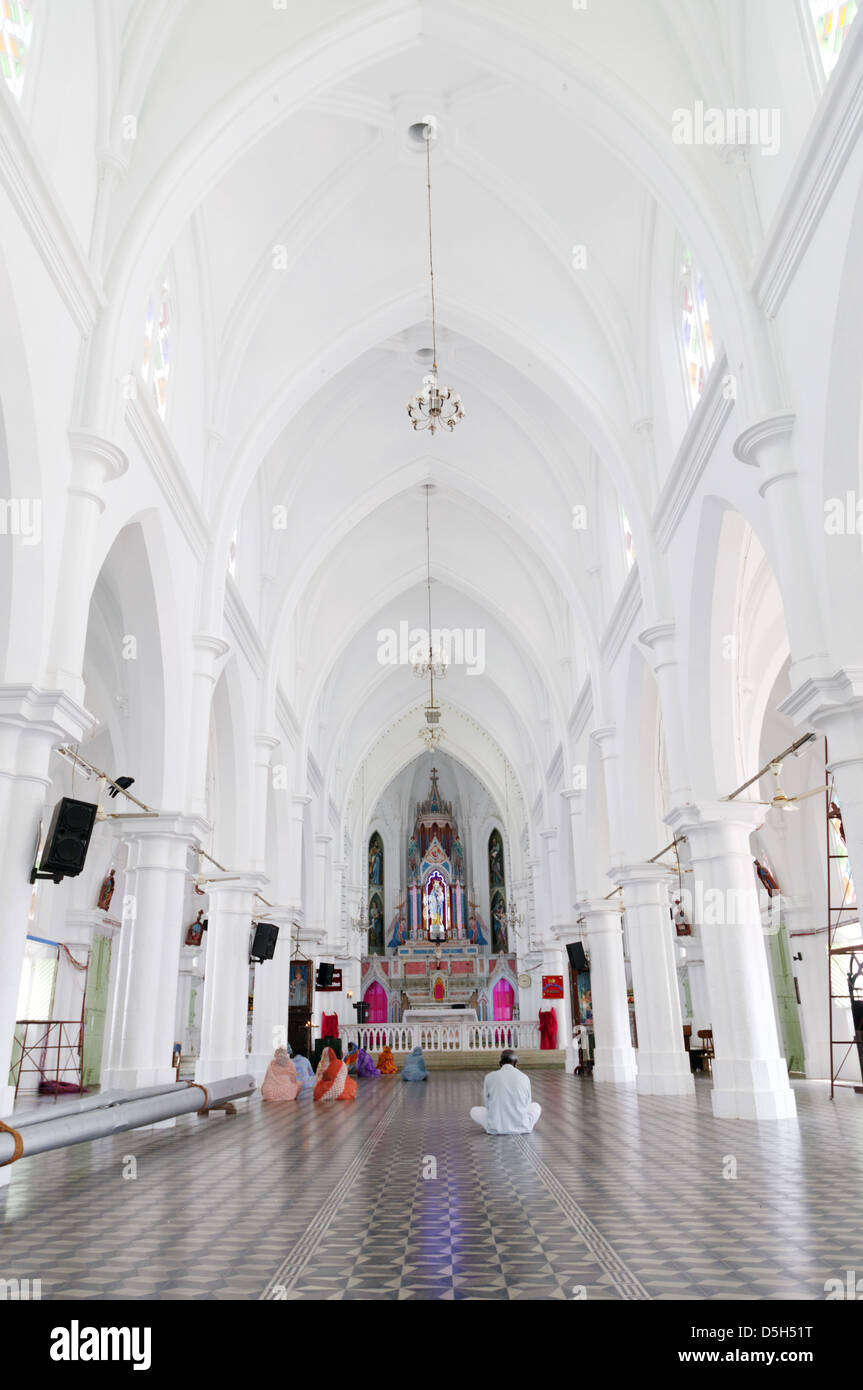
(807, 938)
(553, 867)
(264, 745)
(835, 708)
(577, 799)
(294, 876)
(95, 463)
(766, 445)
(614, 1055)
(226, 983)
(750, 1078)
(272, 988)
(661, 644)
(555, 962)
(321, 903)
(208, 651)
(663, 1064)
(151, 935)
(33, 723)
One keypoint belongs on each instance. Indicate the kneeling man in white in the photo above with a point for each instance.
(508, 1106)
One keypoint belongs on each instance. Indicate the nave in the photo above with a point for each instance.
(613, 1197)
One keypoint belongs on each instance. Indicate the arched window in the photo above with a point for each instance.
(832, 22)
(16, 32)
(156, 360)
(497, 892)
(696, 335)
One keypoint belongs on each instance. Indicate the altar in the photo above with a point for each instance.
(439, 1013)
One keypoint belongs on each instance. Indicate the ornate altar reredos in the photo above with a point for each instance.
(438, 952)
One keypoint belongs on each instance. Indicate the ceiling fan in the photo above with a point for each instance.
(780, 801)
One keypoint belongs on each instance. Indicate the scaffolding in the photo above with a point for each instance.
(848, 958)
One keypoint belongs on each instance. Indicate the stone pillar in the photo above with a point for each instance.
(555, 962)
(322, 847)
(614, 1055)
(577, 799)
(552, 866)
(807, 938)
(264, 745)
(294, 877)
(33, 723)
(750, 1078)
(272, 990)
(95, 463)
(835, 708)
(661, 644)
(151, 935)
(208, 652)
(663, 1064)
(766, 445)
(226, 983)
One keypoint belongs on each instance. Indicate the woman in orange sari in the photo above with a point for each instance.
(332, 1080)
(386, 1063)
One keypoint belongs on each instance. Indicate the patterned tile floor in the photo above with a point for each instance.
(612, 1197)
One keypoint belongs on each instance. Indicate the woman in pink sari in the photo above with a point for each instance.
(281, 1081)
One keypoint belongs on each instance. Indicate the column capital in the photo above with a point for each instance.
(96, 461)
(210, 644)
(550, 834)
(267, 741)
(573, 794)
(53, 712)
(633, 875)
(171, 824)
(683, 820)
(604, 736)
(753, 446)
(819, 699)
(599, 915)
(311, 936)
(236, 883)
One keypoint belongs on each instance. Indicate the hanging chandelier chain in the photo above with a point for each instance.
(431, 252)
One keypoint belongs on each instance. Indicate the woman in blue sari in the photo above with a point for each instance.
(414, 1068)
(305, 1071)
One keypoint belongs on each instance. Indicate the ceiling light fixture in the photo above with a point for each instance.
(433, 664)
(436, 405)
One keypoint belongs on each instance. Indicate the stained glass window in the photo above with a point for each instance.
(698, 350)
(156, 362)
(832, 23)
(16, 29)
(629, 548)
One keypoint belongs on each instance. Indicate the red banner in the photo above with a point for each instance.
(552, 986)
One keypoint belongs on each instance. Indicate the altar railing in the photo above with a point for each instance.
(443, 1037)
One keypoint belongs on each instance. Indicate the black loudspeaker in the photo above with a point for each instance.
(334, 1043)
(362, 1009)
(324, 977)
(67, 840)
(264, 942)
(577, 958)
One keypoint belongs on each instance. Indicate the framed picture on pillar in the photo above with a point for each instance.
(552, 986)
(298, 997)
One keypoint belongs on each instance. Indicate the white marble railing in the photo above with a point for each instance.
(443, 1037)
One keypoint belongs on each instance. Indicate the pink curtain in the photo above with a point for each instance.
(376, 998)
(503, 997)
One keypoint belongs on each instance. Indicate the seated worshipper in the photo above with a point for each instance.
(305, 1071)
(332, 1081)
(281, 1081)
(365, 1064)
(508, 1107)
(414, 1068)
(386, 1063)
(351, 1056)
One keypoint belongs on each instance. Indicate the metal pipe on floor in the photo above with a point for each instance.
(77, 1104)
(57, 1132)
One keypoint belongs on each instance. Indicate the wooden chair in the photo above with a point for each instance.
(706, 1036)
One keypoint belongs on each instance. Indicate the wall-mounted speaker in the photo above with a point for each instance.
(264, 941)
(577, 958)
(324, 977)
(67, 840)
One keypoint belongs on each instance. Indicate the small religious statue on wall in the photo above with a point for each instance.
(766, 878)
(106, 892)
(681, 925)
(195, 933)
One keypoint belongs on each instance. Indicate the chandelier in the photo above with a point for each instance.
(432, 665)
(360, 923)
(435, 405)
